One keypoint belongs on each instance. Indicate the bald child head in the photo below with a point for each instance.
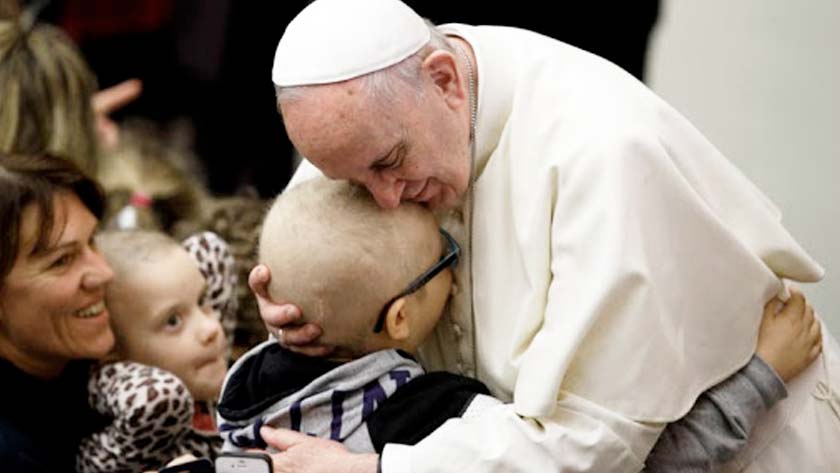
(340, 258)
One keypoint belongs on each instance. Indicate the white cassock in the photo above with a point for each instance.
(620, 266)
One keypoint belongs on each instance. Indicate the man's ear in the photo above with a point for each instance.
(396, 320)
(442, 68)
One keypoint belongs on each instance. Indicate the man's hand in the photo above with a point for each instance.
(790, 337)
(302, 453)
(283, 320)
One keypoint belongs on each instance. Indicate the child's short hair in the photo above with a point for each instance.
(338, 256)
(124, 249)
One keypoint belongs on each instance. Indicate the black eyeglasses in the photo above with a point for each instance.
(450, 259)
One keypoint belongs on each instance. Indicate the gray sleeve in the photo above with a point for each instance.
(718, 425)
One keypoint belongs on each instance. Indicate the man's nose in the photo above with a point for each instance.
(387, 194)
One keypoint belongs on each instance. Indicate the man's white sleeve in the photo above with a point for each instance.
(578, 437)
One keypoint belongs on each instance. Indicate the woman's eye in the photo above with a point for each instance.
(62, 260)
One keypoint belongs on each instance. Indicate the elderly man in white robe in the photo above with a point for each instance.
(615, 263)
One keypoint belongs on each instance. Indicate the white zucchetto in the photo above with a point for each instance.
(335, 40)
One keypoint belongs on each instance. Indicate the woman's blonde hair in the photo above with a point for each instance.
(46, 89)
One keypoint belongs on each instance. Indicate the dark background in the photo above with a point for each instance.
(210, 61)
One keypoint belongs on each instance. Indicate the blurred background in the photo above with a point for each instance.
(758, 77)
(761, 79)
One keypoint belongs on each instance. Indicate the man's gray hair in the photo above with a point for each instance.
(383, 85)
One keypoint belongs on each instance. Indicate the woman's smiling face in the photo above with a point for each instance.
(52, 301)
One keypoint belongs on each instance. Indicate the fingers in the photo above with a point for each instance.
(282, 439)
(115, 97)
(795, 306)
(315, 351)
(280, 316)
(275, 315)
(815, 335)
(816, 350)
(283, 320)
(258, 280)
(815, 330)
(301, 339)
(773, 307)
(808, 316)
(301, 334)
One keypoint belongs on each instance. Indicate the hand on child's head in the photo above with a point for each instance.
(283, 320)
(790, 337)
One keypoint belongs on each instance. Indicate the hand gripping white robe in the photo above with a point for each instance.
(620, 266)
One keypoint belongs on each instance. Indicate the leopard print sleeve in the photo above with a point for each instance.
(151, 411)
(217, 265)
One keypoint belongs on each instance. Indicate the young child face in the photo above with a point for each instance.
(158, 321)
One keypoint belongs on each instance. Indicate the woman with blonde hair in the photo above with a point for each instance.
(47, 89)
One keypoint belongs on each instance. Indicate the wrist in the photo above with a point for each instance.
(366, 463)
(766, 381)
(772, 363)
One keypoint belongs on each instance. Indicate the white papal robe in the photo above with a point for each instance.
(620, 266)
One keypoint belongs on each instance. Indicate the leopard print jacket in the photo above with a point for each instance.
(218, 267)
(152, 413)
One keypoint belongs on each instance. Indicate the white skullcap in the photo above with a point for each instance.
(335, 40)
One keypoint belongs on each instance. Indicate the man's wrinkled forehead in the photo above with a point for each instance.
(320, 118)
(339, 133)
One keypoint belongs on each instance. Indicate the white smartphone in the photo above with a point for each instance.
(244, 463)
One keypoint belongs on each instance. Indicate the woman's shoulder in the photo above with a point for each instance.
(30, 438)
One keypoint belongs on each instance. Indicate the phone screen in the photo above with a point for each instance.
(243, 463)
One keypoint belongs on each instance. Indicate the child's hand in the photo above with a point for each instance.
(790, 337)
